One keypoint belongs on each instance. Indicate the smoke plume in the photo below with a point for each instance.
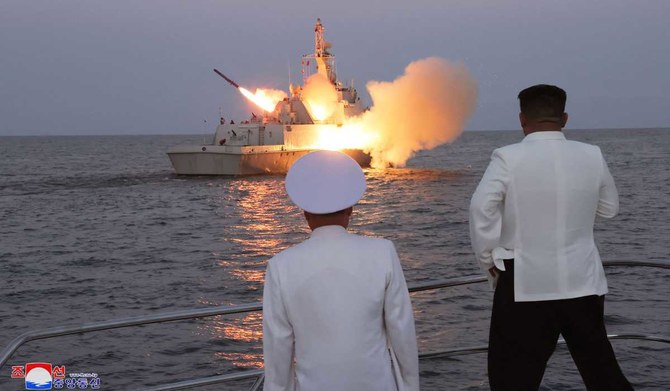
(427, 106)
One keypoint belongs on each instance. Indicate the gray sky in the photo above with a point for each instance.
(145, 67)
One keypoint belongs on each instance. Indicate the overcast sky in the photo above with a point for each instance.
(145, 67)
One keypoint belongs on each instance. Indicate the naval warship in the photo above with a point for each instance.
(271, 142)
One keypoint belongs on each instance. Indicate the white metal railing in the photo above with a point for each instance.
(60, 331)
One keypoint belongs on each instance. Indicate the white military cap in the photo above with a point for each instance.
(325, 182)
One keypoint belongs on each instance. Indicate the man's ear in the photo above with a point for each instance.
(522, 120)
(564, 119)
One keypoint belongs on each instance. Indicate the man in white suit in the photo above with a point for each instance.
(531, 226)
(336, 310)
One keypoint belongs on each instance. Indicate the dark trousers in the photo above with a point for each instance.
(523, 336)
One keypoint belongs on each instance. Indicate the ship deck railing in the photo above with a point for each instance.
(257, 374)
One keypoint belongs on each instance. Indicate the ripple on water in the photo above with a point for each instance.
(88, 236)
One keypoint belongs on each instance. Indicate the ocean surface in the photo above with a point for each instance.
(97, 228)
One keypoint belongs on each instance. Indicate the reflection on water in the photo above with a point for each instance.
(242, 359)
(261, 222)
(248, 330)
(253, 272)
(260, 210)
(416, 174)
(249, 275)
(243, 329)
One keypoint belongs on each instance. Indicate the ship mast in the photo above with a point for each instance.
(319, 41)
(324, 61)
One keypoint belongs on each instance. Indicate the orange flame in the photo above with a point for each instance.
(265, 99)
(352, 135)
(319, 112)
(320, 96)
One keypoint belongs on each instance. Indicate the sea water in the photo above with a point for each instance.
(98, 227)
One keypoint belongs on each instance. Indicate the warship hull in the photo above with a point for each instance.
(250, 160)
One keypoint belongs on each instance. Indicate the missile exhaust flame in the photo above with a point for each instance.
(266, 99)
(320, 97)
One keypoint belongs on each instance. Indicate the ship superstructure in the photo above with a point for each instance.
(272, 141)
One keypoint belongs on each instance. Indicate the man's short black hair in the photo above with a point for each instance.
(543, 101)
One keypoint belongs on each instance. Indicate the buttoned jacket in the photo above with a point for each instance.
(537, 203)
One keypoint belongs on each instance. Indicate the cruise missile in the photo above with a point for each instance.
(227, 79)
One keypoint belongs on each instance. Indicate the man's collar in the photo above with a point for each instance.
(545, 135)
(329, 230)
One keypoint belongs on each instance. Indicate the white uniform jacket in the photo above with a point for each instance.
(336, 312)
(537, 203)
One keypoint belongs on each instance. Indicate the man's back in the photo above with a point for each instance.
(551, 191)
(341, 295)
(531, 227)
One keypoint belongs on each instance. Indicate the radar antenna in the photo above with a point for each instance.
(324, 61)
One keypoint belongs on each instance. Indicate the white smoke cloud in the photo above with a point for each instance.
(425, 107)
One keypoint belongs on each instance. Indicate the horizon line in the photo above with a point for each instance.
(200, 134)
